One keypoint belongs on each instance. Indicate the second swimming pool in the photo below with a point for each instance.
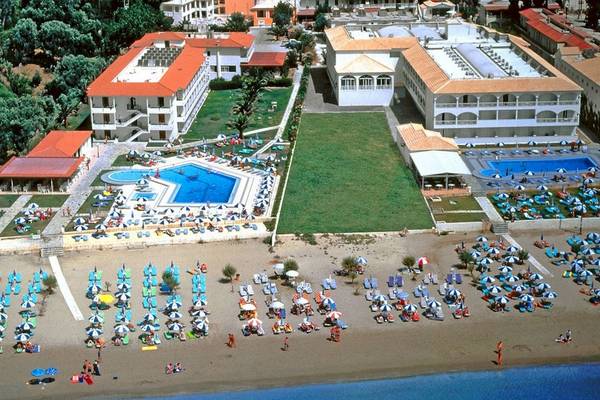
(517, 166)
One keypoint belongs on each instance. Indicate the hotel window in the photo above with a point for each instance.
(260, 14)
(348, 83)
(365, 82)
(213, 68)
(384, 82)
(227, 68)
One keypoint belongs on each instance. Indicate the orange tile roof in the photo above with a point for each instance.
(40, 167)
(341, 40)
(427, 69)
(417, 138)
(234, 40)
(179, 74)
(60, 144)
(266, 59)
(589, 67)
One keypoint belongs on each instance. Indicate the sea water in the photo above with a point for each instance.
(577, 381)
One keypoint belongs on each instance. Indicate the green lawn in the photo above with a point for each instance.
(48, 200)
(98, 181)
(460, 217)
(348, 176)
(87, 204)
(7, 200)
(215, 113)
(461, 203)
(36, 227)
(122, 161)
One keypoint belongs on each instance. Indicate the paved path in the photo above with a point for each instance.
(11, 212)
(531, 259)
(81, 189)
(64, 288)
(489, 209)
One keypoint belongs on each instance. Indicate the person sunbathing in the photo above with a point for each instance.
(178, 368)
(169, 369)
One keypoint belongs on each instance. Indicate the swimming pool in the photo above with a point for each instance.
(142, 195)
(517, 166)
(194, 184)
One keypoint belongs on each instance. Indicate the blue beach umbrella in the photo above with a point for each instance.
(526, 298)
(481, 239)
(487, 279)
(38, 372)
(503, 196)
(593, 236)
(485, 261)
(511, 278)
(535, 277)
(495, 290)
(501, 300)
(519, 288)
(475, 254)
(504, 269)
(433, 303)
(550, 295)
(520, 188)
(121, 329)
(96, 319)
(94, 332)
(542, 287)
(22, 337)
(410, 308)
(385, 307)
(511, 259)
(493, 251)
(512, 249)
(542, 188)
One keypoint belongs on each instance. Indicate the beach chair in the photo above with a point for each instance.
(249, 290)
(417, 292)
(367, 283)
(256, 278)
(390, 281)
(263, 278)
(374, 283)
(332, 284)
(392, 294)
(17, 289)
(425, 292)
(325, 284)
(266, 290)
(242, 290)
(423, 303)
(458, 278)
(449, 279)
(369, 295)
(426, 280)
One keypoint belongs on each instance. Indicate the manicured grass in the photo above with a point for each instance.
(215, 113)
(87, 204)
(75, 120)
(460, 217)
(36, 227)
(462, 203)
(348, 176)
(7, 200)
(122, 161)
(98, 181)
(48, 200)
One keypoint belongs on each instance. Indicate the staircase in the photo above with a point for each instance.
(500, 227)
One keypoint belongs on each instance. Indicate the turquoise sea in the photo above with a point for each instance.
(576, 381)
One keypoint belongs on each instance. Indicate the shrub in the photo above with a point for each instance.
(290, 265)
(229, 272)
(50, 283)
(280, 82)
(222, 84)
(36, 79)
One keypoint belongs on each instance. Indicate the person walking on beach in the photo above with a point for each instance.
(231, 340)
(499, 347)
(96, 366)
(286, 344)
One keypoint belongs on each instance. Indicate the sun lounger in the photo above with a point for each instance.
(458, 278)
(423, 303)
(367, 283)
(392, 294)
(369, 295)
(249, 290)
(390, 282)
(332, 284)
(243, 291)
(325, 284)
(425, 292)
(256, 278)
(374, 283)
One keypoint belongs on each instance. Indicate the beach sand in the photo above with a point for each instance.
(367, 350)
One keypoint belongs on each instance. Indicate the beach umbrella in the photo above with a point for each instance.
(577, 263)
(495, 290)
(22, 337)
(379, 298)
(79, 221)
(121, 329)
(200, 325)
(422, 261)
(519, 288)
(277, 305)
(596, 262)
(512, 278)
(526, 298)
(248, 307)
(175, 326)
(550, 295)
(292, 274)
(512, 249)
(493, 251)
(25, 326)
(385, 307)
(520, 188)
(485, 261)
(501, 300)
(20, 221)
(475, 254)
(115, 214)
(174, 304)
(532, 143)
(535, 277)
(3, 317)
(328, 302)
(496, 176)
(27, 304)
(147, 328)
(81, 228)
(588, 181)
(504, 269)
(185, 209)
(169, 211)
(503, 196)
(123, 297)
(94, 332)
(481, 239)
(96, 319)
(542, 188)
(487, 279)
(511, 259)
(593, 236)
(453, 293)
(360, 260)
(433, 303)
(254, 322)
(33, 206)
(333, 315)
(529, 173)
(587, 251)
(410, 308)
(149, 317)
(561, 170)
(100, 227)
(198, 314)
(123, 287)
(221, 137)
(542, 287)
(469, 145)
(584, 273)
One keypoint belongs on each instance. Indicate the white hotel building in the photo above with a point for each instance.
(466, 80)
(155, 90)
(188, 11)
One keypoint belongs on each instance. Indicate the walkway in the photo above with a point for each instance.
(81, 189)
(531, 259)
(11, 212)
(64, 288)
(489, 209)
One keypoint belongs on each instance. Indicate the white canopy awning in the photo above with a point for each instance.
(439, 163)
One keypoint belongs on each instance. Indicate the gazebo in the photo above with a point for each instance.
(439, 164)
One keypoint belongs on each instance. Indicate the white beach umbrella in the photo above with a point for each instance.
(25, 326)
(3, 317)
(328, 302)
(81, 228)
(501, 300)
(379, 298)
(94, 332)
(121, 329)
(485, 261)
(542, 287)
(550, 295)
(526, 298)
(96, 319)
(433, 303)
(22, 337)
(453, 293)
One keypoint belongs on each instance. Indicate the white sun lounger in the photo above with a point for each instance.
(249, 290)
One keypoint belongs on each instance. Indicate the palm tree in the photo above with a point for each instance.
(351, 267)
(170, 280)
(523, 255)
(467, 260)
(50, 283)
(229, 272)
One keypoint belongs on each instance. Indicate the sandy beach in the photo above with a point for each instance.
(367, 350)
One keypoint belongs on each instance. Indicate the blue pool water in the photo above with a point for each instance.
(142, 195)
(536, 165)
(577, 381)
(194, 183)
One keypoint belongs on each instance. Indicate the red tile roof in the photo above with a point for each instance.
(179, 74)
(40, 167)
(559, 31)
(234, 40)
(266, 59)
(60, 144)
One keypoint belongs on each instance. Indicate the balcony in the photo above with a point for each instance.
(504, 123)
(104, 126)
(160, 126)
(158, 110)
(511, 104)
(103, 110)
